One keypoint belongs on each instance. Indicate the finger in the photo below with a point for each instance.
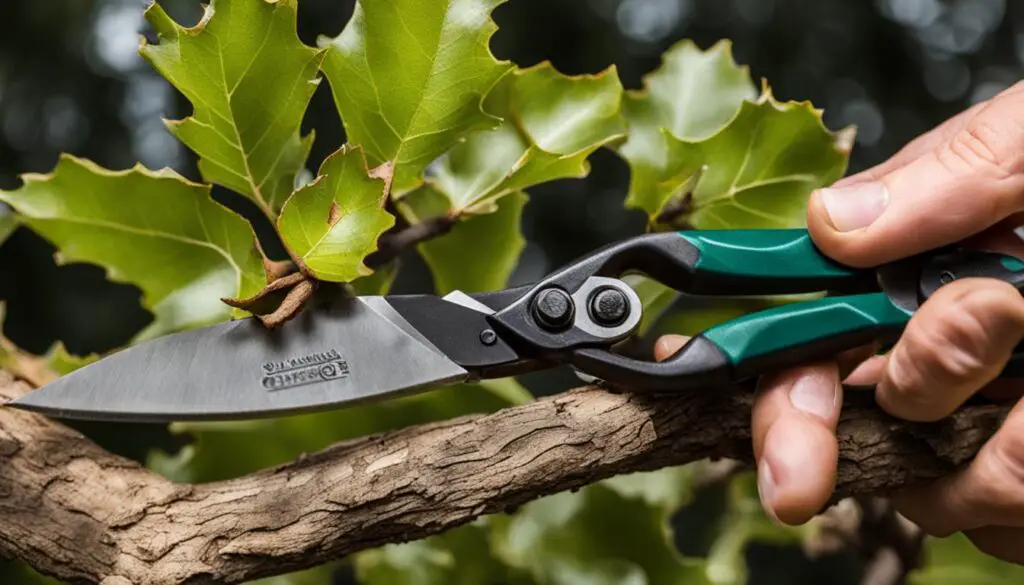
(851, 359)
(956, 343)
(667, 345)
(989, 491)
(959, 187)
(914, 149)
(793, 425)
(1002, 542)
(868, 373)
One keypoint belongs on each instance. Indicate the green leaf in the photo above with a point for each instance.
(223, 450)
(568, 115)
(431, 70)
(692, 95)
(155, 230)
(378, 283)
(332, 223)
(63, 363)
(665, 490)
(619, 530)
(955, 561)
(479, 253)
(8, 223)
(655, 298)
(759, 170)
(249, 79)
(20, 573)
(458, 557)
(322, 575)
(552, 123)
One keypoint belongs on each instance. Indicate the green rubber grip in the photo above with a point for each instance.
(813, 329)
(783, 253)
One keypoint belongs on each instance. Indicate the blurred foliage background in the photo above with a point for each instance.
(71, 81)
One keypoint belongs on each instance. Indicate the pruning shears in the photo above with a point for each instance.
(358, 349)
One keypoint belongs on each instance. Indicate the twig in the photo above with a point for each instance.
(392, 244)
(674, 210)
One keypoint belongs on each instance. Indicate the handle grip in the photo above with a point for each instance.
(788, 335)
(759, 342)
(734, 262)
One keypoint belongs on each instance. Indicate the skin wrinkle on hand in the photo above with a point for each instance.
(146, 529)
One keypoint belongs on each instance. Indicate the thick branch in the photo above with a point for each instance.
(77, 512)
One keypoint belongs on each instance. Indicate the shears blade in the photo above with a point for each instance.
(351, 351)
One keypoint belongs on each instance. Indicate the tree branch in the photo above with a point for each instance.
(79, 513)
(393, 243)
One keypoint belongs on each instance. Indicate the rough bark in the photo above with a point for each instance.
(77, 512)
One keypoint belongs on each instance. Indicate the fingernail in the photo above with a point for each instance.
(855, 206)
(814, 396)
(766, 489)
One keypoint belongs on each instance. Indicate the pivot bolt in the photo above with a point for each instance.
(609, 307)
(488, 337)
(553, 309)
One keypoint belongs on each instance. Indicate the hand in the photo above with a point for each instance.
(962, 182)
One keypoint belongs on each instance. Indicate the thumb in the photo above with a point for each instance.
(959, 187)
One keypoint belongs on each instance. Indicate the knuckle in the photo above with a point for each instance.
(960, 342)
(938, 353)
(960, 347)
(906, 384)
(994, 302)
(989, 145)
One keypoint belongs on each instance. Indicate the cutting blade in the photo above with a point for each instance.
(353, 351)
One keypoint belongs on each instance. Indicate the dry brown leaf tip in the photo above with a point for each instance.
(291, 305)
(268, 304)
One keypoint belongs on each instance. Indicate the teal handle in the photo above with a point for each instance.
(807, 330)
(769, 254)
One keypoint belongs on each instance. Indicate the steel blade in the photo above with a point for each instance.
(356, 350)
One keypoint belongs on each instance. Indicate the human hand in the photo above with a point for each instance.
(961, 182)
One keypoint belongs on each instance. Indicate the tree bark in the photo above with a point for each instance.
(79, 513)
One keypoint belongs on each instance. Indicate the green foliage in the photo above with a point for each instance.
(453, 136)
(8, 223)
(20, 574)
(334, 221)
(249, 78)
(955, 561)
(151, 229)
(478, 254)
(613, 532)
(675, 104)
(536, 142)
(458, 557)
(758, 170)
(408, 77)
